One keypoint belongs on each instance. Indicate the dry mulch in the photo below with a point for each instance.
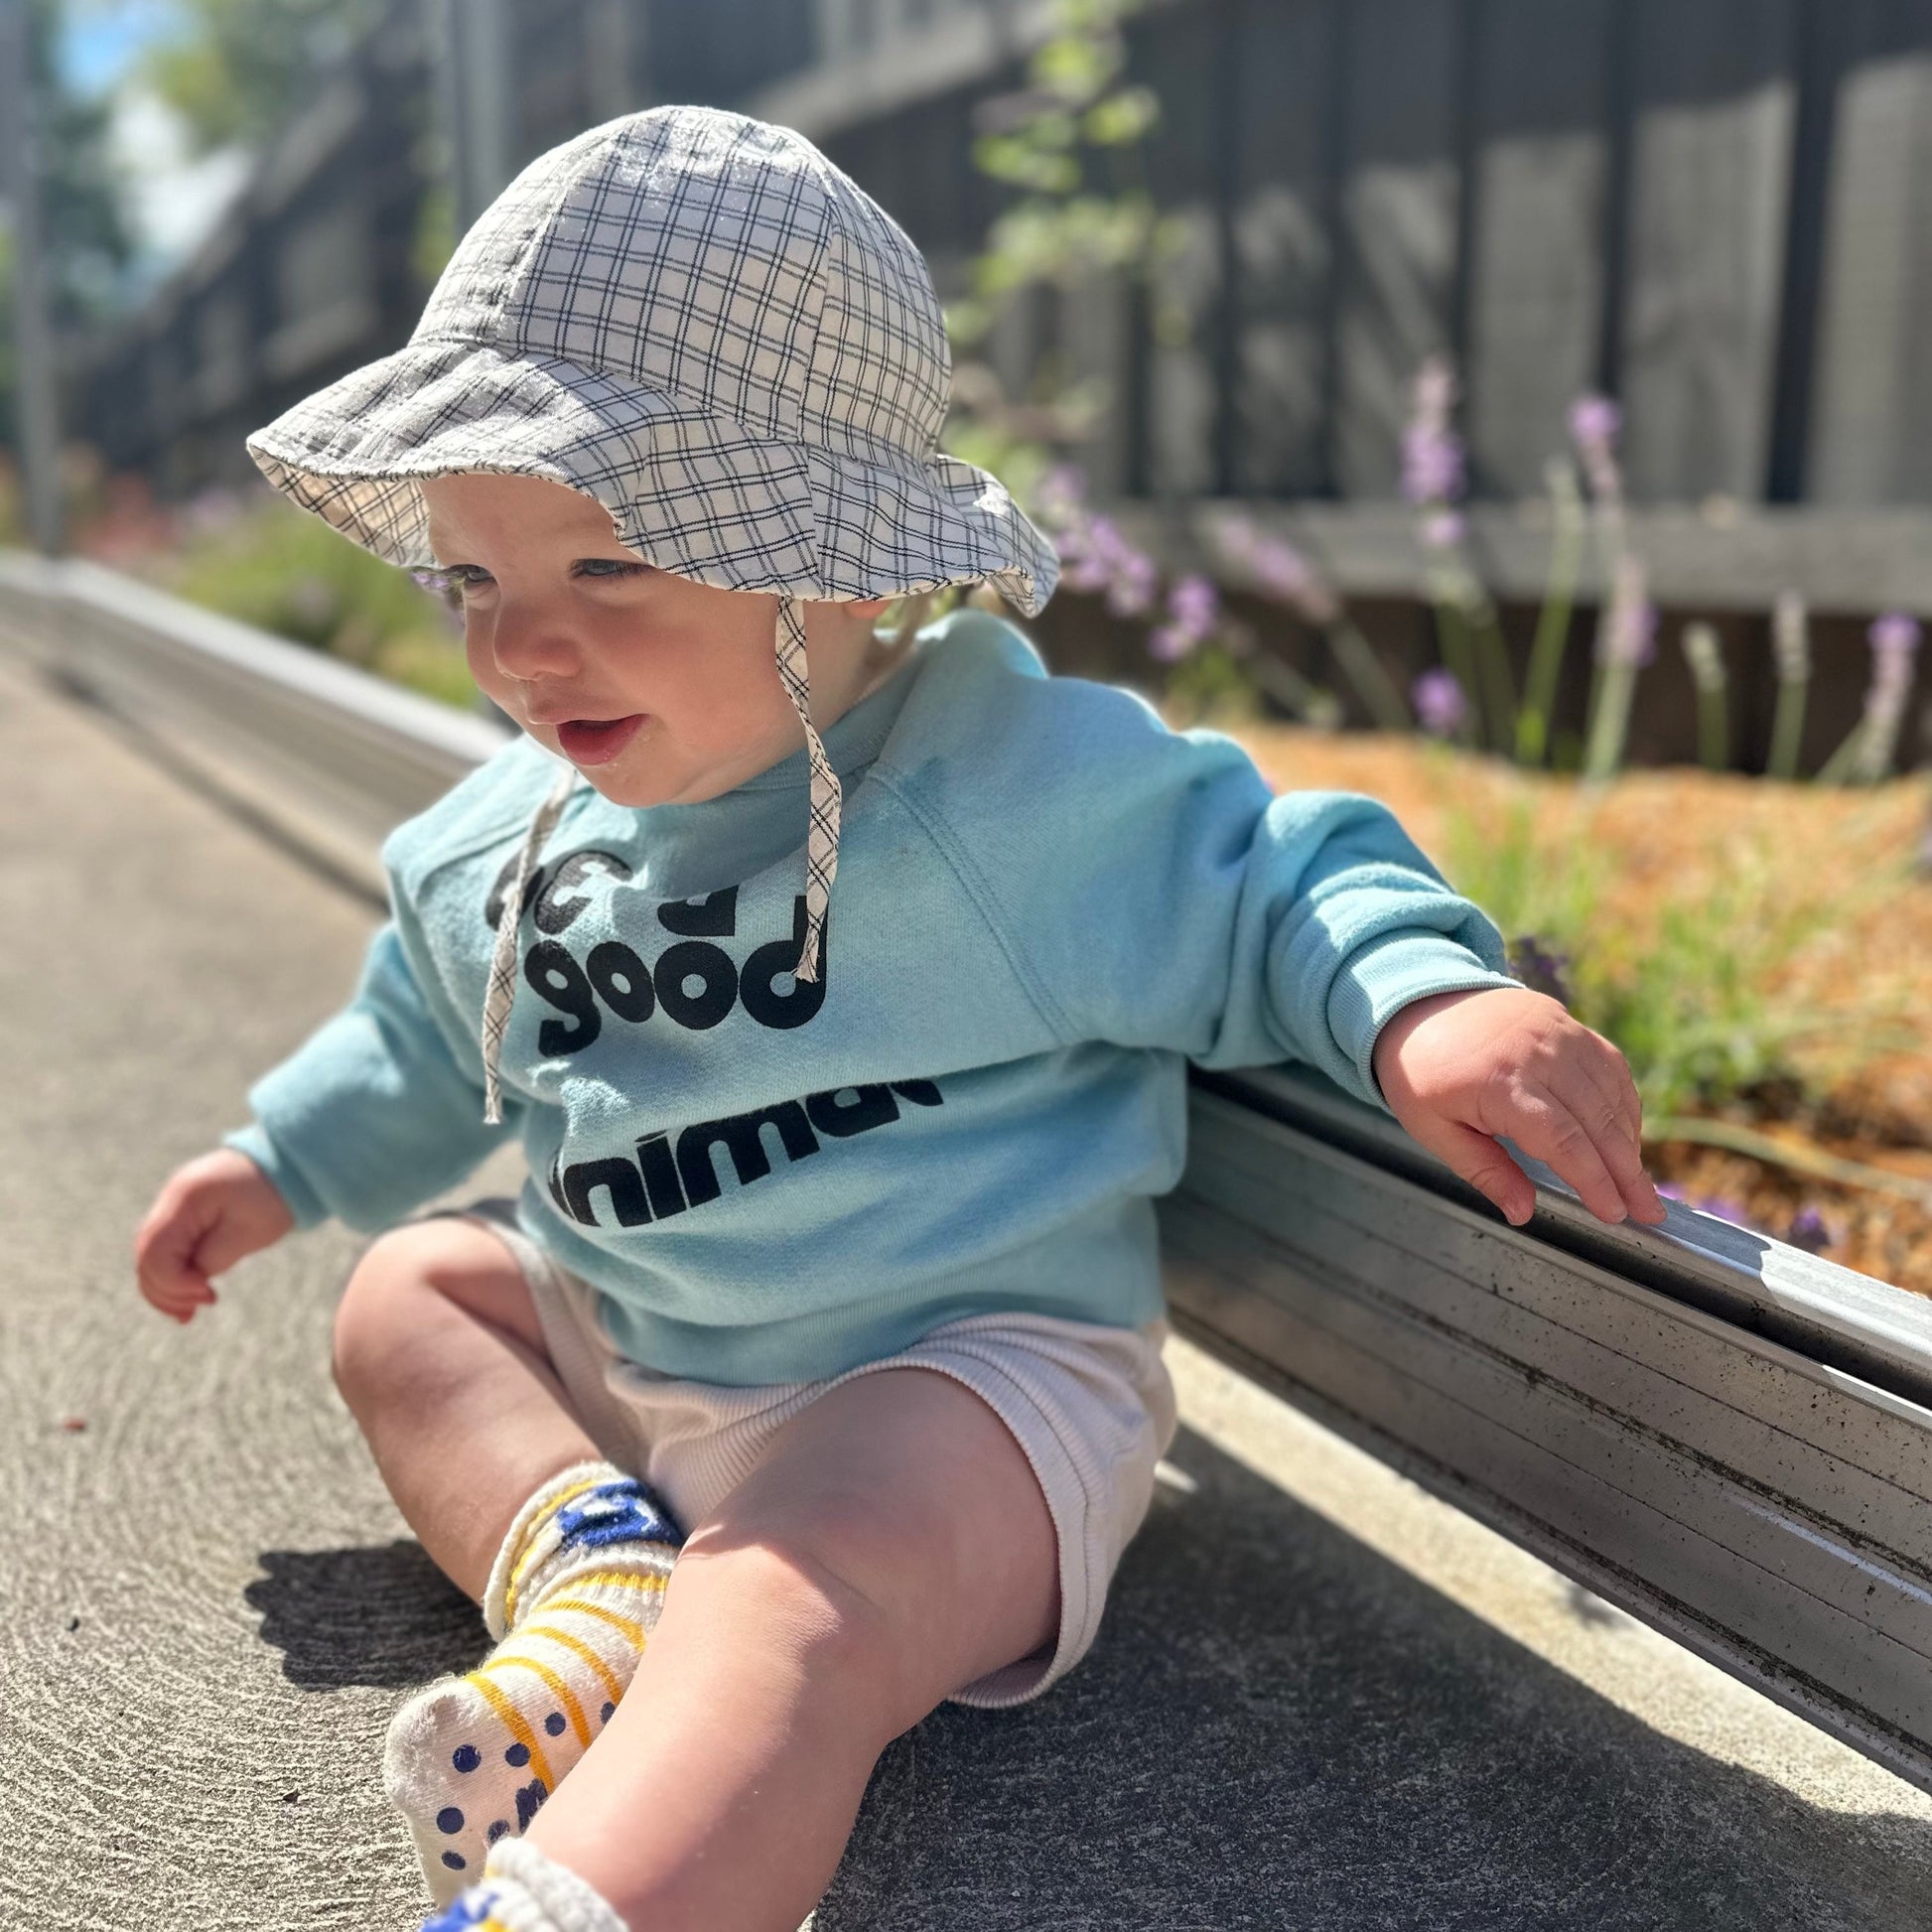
(1675, 832)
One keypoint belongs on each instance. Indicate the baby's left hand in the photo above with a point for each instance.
(1459, 1068)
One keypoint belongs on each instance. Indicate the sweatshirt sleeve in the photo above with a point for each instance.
(1161, 895)
(377, 1111)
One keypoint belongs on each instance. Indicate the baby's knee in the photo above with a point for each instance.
(406, 1283)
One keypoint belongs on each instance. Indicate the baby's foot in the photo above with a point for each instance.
(470, 1759)
(522, 1890)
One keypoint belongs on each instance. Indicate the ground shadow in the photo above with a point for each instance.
(384, 1617)
(1278, 1727)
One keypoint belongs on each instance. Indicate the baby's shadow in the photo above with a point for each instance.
(381, 1615)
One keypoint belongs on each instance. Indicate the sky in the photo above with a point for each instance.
(171, 202)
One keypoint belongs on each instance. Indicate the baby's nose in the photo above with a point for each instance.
(530, 647)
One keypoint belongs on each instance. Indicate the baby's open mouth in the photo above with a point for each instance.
(590, 741)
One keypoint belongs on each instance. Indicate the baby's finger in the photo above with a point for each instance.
(1544, 1126)
(1483, 1164)
(1614, 1123)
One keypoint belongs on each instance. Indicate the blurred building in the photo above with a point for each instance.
(1717, 211)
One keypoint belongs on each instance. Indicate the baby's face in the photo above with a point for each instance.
(562, 623)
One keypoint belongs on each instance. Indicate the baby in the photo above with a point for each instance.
(815, 1377)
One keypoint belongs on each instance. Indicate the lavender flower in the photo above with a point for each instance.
(1195, 608)
(1060, 492)
(1595, 423)
(1541, 968)
(1280, 571)
(1440, 703)
(1443, 529)
(1628, 639)
(1808, 1230)
(1432, 452)
(1895, 640)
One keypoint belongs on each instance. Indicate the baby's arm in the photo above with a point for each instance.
(376, 1112)
(1169, 899)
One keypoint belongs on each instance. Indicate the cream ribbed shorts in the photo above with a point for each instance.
(1092, 1407)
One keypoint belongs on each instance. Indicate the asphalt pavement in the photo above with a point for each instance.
(1320, 1700)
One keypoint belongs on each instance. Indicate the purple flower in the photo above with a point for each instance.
(1196, 602)
(1280, 571)
(1541, 968)
(1595, 423)
(1630, 637)
(1440, 703)
(1808, 1230)
(1194, 607)
(1443, 529)
(1062, 492)
(1893, 638)
(1136, 578)
(1432, 452)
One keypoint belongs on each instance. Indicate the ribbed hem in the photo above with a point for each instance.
(1385, 976)
(307, 1208)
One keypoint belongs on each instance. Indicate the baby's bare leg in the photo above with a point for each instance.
(891, 1546)
(440, 1358)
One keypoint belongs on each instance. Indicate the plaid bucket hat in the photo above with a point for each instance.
(698, 319)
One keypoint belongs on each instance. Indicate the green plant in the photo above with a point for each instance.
(287, 572)
(1692, 994)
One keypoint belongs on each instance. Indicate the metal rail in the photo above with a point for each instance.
(1724, 1436)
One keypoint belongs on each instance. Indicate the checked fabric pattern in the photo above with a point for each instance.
(698, 319)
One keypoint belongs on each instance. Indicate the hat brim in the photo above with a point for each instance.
(686, 487)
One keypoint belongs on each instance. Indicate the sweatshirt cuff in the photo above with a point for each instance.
(307, 1208)
(1393, 971)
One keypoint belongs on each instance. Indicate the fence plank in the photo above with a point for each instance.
(1714, 127)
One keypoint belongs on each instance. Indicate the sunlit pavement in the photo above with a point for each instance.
(1320, 1698)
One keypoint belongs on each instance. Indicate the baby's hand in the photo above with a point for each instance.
(206, 1217)
(1460, 1067)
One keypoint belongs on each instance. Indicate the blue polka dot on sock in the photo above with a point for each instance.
(449, 1819)
(496, 1830)
(554, 1723)
(466, 1757)
(517, 1754)
(454, 1860)
(604, 1716)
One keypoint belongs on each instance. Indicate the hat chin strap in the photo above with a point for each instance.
(821, 856)
(822, 838)
(502, 960)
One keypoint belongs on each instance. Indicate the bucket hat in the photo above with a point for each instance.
(695, 318)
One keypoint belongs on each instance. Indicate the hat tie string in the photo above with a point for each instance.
(822, 838)
(502, 961)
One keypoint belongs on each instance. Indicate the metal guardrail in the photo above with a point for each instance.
(1722, 1435)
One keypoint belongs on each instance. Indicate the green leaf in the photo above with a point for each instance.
(1122, 117)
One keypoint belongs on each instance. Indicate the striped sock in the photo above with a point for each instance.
(522, 1890)
(574, 1592)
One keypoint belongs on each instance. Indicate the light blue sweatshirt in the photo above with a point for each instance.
(1047, 903)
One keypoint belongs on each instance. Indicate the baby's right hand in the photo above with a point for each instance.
(206, 1217)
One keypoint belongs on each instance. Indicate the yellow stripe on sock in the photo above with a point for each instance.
(536, 1529)
(583, 1650)
(512, 1722)
(630, 1626)
(556, 1683)
(625, 1579)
